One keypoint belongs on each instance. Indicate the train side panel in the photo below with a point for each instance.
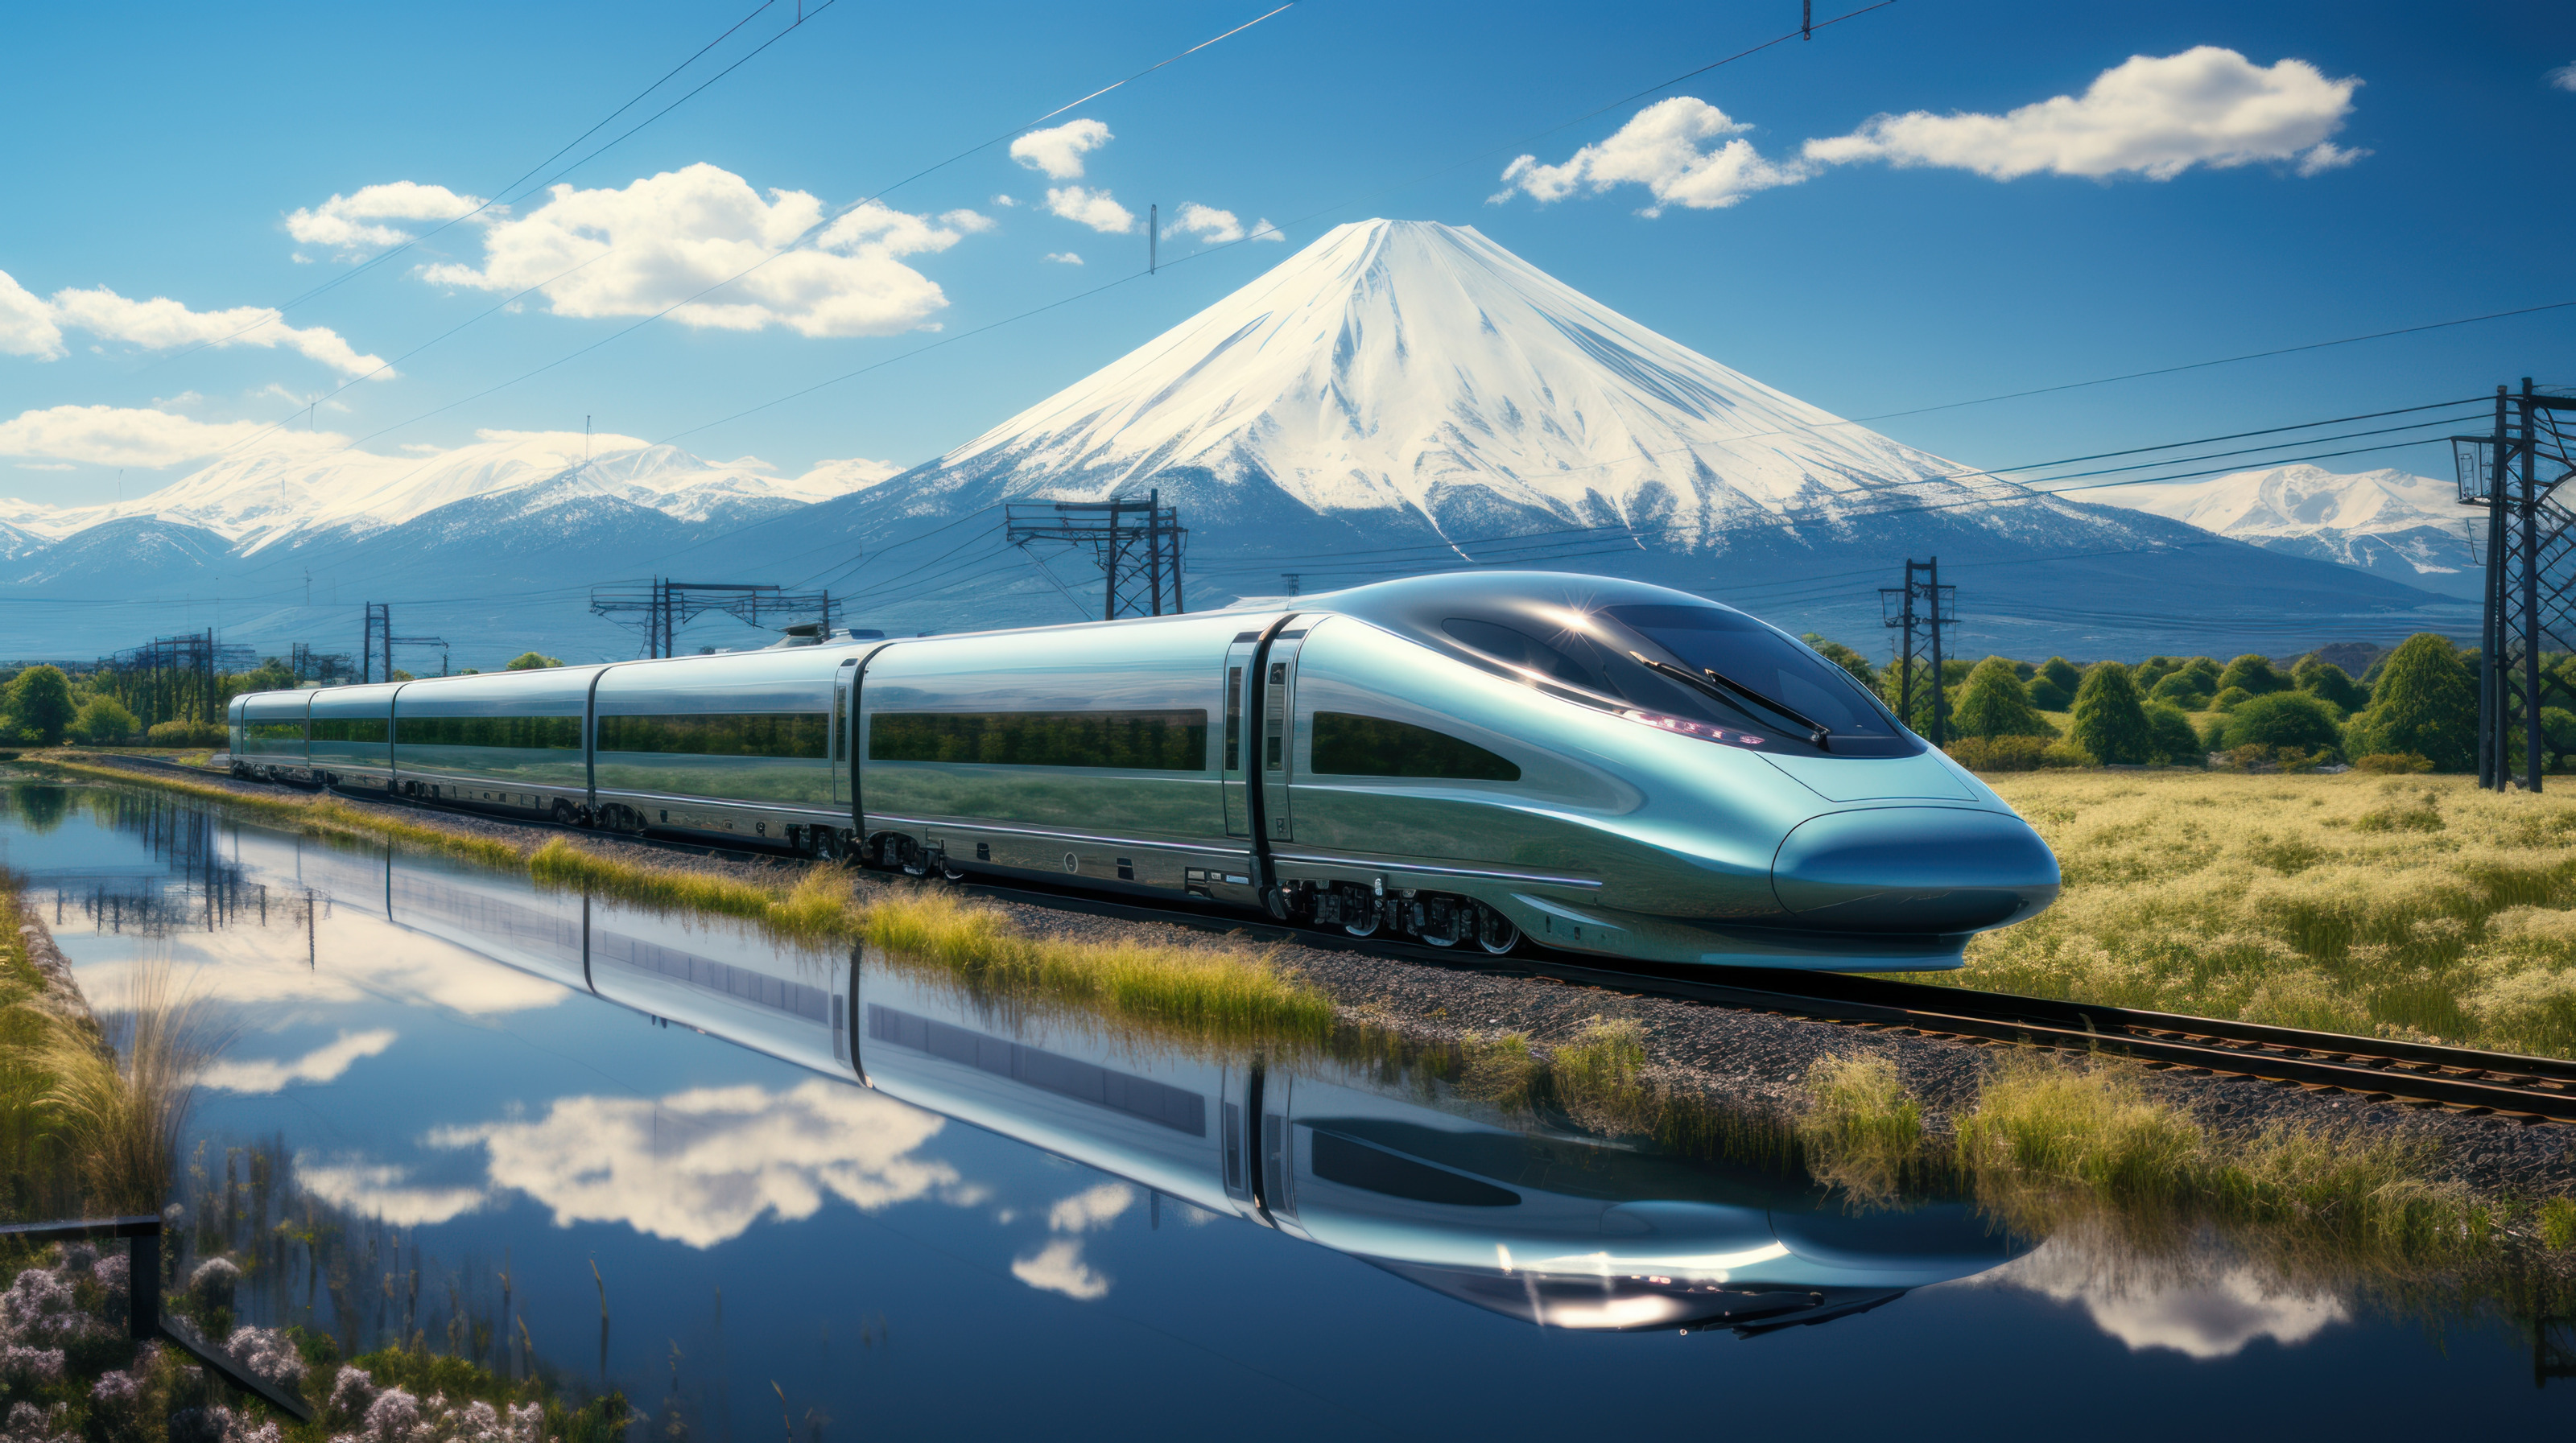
(737, 745)
(508, 741)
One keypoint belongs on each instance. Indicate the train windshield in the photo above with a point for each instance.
(1755, 670)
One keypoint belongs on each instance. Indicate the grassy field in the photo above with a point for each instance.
(2414, 907)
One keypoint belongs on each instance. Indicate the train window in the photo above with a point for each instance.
(1356, 1164)
(1163, 741)
(362, 730)
(1234, 719)
(1366, 746)
(1518, 648)
(522, 733)
(1743, 650)
(275, 731)
(720, 734)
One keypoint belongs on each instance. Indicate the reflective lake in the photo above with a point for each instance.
(764, 1189)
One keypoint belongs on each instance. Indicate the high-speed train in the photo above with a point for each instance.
(1503, 1211)
(1605, 766)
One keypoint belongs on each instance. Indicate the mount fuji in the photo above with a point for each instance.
(1404, 396)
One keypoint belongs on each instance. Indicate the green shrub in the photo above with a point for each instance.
(1833, 651)
(1993, 704)
(185, 734)
(2052, 687)
(2065, 754)
(531, 661)
(102, 721)
(2255, 674)
(2283, 719)
(2189, 690)
(2425, 703)
(1999, 754)
(2110, 724)
(2330, 682)
(2230, 699)
(2176, 743)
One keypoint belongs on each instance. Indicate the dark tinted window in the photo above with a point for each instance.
(351, 729)
(1743, 650)
(524, 733)
(276, 731)
(1356, 1164)
(1368, 746)
(1508, 644)
(1163, 741)
(720, 734)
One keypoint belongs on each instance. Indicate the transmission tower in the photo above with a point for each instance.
(379, 645)
(172, 678)
(1918, 611)
(662, 609)
(2530, 583)
(1136, 541)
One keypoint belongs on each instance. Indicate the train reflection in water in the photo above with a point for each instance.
(1555, 1227)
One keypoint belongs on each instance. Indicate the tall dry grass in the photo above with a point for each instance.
(2412, 906)
(119, 1100)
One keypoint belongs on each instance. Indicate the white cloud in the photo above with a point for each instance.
(2154, 116)
(139, 436)
(322, 1064)
(1059, 152)
(2564, 77)
(1004, 201)
(1058, 1268)
(1209, 224)
(46, 466)
(2197, 1315)
(1092, 1208)
(347, 223)
(667, 237)
(702, 1166)
(26, 324)
(1093, 208)
(162, 324)
(384, 1192)
(1062, 258)
(1660, 149)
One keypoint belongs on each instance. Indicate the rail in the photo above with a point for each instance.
(144, 1318)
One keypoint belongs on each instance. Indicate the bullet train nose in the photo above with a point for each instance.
(1914, 869)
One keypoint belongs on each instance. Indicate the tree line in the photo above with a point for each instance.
(2414, 709)
(45, 706)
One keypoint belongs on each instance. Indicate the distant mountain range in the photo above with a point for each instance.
(2410, 528)
(1397, 397)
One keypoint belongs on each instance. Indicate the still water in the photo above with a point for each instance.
(766, 1190)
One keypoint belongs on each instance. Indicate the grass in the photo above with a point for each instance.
(2053, 1144)
(2415, 907)
(36, 1178)
(1223, 993)
(116, 1102)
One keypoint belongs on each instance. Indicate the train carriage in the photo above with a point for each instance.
(1607, 766)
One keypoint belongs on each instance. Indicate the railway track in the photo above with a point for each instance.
(2506, 1086)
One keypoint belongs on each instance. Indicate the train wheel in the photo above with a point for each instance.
(1376, 919)
(1496, 933)
(563, 813)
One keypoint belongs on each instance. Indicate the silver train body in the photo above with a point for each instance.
(1547, 1224)
(1604, 766)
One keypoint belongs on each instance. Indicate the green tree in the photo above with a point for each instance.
(2155, 669)
(2230, 699)
(2052, 688)
(272, 675)
(2293, 719)
(531, 661)
(40, 701)
(2425, 702)
(2175, 741)
(1993, 704)
(2109, 721)
(2255, 674)
(101, 720)
(2330, 682)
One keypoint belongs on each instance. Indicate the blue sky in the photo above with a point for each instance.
(164, 153)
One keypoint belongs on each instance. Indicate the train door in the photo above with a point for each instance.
(1278, 757)
(1240, 687)
(845, 789)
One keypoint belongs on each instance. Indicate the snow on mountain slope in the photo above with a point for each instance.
(2410, 527)
(263, 498)
(1412, 366)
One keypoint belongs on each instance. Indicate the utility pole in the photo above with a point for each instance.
(379, 645)
(1153, 238)
(1291, 578)
(1920, 608)
(2530, 581)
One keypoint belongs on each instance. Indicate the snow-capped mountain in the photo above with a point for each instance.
(2410, 527)
(1404, 396)
(291, 494)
